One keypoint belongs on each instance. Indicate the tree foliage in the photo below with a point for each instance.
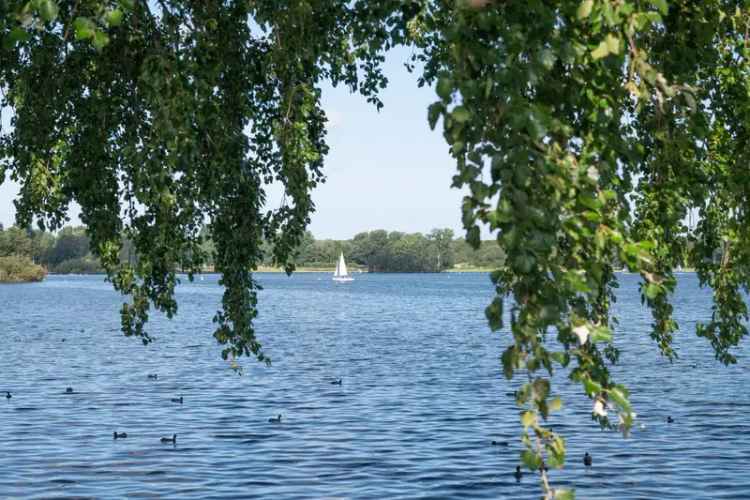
(602, 124)
(381, 251)
(155, 117)
(586, 131)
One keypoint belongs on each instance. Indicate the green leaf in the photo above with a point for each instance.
(434, 112)
(541, 388)
(84, 28)
(494, 313)
(562, 358)
(528, 418)
(601, 334)
(584, 9)
(652, 290)
(620, 398)
(555, 462)
(114, 17)
(496, 275)
(101, 40)
(444, 88)
(17, 34)
(509, 359)
(48, 10)
(600, 51)
(531, 460)
(613, 44)
(555, 404)
(563, 494)
(547, 58)
(662, 5)
(461, 114)
(591, 387)
(473, 236)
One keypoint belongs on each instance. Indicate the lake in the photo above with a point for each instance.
(422, 398)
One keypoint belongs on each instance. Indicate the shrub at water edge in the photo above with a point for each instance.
(18, 269)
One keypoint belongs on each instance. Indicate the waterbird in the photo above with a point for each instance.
(518, 474)
(173, 439)
(499, 443)
(8, 395)
(670, 419)
(63, 340)
(153, 376)
(336, 382)
(120, 435)
(275, 420)
(177, 400)
(69, 390)
(587, 460)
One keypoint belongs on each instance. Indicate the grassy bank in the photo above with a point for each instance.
(470, 269)
(303, 269)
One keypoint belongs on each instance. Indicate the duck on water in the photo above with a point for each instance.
(173, 439)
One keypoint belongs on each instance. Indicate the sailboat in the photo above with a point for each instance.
(341, 275)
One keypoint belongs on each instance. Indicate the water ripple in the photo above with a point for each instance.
(422, 398)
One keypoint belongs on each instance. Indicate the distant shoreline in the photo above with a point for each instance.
(278, 270)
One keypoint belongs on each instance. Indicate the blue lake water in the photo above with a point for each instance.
(422, 398)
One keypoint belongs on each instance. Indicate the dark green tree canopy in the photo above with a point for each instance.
(586, 131)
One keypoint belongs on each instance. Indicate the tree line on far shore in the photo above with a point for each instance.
(26, 255)
(384, 251)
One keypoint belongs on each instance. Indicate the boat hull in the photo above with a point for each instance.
(343, 279)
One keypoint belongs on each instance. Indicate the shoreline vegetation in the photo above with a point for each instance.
(19, 269)
(32, 254)
(29, 255)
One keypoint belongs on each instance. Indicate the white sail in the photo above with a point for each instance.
(342, 266)
(341, 273)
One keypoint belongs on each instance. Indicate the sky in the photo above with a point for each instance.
(385, 170)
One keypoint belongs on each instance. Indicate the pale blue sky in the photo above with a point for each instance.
(385, 170)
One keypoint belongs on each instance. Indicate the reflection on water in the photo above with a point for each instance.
(422, 398)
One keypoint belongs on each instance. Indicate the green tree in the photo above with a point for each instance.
(370, 249)
(15, 241)
(442, 240)
(42, 243)
(584, 131)
(71, 243)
